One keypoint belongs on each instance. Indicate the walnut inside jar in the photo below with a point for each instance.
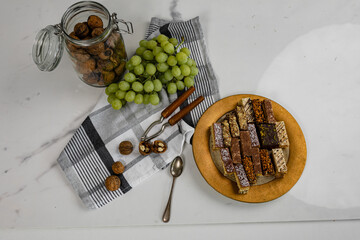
(81, 30)
(159, 146)
(94, 22)
(144, 148)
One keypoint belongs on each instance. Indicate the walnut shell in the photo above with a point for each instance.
(144, 148)
(125, 147)
(106, 54)
(97, 32)
(118, 167)
(94, 22)
(112, 183)
(81, 55)
(96, 49)
(81, 30)
(105, 65)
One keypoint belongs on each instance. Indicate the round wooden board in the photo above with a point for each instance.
(256, 194)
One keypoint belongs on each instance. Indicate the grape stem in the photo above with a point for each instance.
(182, 41)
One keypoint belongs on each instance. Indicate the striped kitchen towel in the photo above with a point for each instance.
(88, 157)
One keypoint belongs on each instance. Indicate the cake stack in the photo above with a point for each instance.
(249, 142)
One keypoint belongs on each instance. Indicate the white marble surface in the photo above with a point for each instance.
(303, 54)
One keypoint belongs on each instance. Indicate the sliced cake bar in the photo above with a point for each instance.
(266, 164)
(241, 117)
(227, 161)
(216, 136)
(258, 111)
(282, 134)
(226, 133)
(248, 109)
(234, 127)
(268, 111)
(279, 162)
(241, 179)
(235, 150)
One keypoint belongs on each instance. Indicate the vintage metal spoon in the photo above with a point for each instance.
(176, 168)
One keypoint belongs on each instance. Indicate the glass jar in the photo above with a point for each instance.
(94, 44)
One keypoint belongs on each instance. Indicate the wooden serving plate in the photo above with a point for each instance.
(257, 194)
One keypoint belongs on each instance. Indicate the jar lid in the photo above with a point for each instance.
(48, 48)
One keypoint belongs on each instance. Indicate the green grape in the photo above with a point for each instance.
(190, 62)
(169, 48)
(168, 75)
(137, 86)
(129, 66)
(163, 43)
(173, 41)
(139, 98)
(180, 77)
(120, 94)
(116, 104)
(112, 88)
(148, 55)
(151, 44)
(180, 85)
(149, 86)
(171, 61)
(140, 50)
(130, 96)
(175, 71)
(139, 69)
(150, 69)
(161, 57)
(146, 99)
(162, 67)
(107, 91)
(171, 88)
(146, 75)
(194, 71)
(157, 50)
(111, 98)
(157, 85)
(189, 82)
(154, 99)
(135, 60)
(186, 51)
(124, 86)
(181, 58)
(129, 77)
(143, 43)
(185, 70)
(162, 38)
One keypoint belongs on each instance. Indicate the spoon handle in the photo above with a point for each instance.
(166, 216)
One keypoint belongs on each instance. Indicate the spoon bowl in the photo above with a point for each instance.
(177, 166)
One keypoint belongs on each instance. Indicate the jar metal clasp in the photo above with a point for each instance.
(129, 27)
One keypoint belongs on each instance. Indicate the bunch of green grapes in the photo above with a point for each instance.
(158, 63)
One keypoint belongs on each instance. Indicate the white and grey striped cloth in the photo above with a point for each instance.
(88, 157)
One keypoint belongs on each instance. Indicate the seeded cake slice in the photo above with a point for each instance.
(249, 169)
(266, 164)
(234, 127)
(258, 111)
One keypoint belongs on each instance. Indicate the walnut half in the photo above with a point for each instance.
(159, 147)
(145, 148)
